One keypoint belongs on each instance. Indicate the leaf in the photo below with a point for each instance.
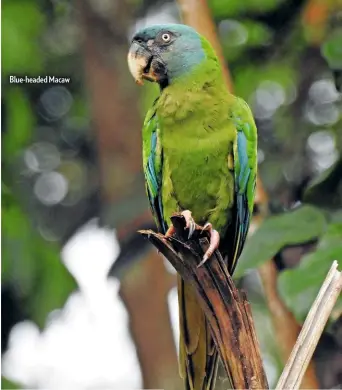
(222, 9)
(32, 265)
(238, 36)
(20, 122)
(53, 284)
(248, 78)
(18, 261)
(299, 286)
(21, 29)
(7, 384)
(332, 49)
(258, 33)
(291, 228)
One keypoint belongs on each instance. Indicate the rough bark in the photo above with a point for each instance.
(226, 309)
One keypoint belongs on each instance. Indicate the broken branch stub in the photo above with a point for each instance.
(226, 309)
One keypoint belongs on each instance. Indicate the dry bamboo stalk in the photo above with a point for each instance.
(310, 334)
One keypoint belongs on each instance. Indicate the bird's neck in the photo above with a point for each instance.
(202, 88)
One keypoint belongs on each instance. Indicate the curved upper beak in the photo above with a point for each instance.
(139, 63)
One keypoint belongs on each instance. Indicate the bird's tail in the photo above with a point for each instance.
(198, 357)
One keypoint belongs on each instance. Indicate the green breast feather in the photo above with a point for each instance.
(237, 214)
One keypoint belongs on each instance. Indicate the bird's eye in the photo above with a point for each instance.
(166, 37)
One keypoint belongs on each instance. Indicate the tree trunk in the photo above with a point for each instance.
(117, 123)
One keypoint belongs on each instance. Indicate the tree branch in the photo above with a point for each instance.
(226, 309)
(228, 312)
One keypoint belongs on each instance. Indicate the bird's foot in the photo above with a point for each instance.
(170, 231)
(214, 242)
(189, 224)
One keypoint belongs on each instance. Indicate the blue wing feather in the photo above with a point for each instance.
(244, 175)
(150, 170)
(241, 182)
(245, 170)
(153, 173)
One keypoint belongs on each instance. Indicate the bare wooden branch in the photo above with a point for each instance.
(226, 309)
(310, 334)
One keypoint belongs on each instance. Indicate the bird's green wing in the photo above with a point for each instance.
(245, 171)
(153, 165)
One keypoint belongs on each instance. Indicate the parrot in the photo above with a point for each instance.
(199, 159)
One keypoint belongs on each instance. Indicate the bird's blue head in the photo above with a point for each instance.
(164, 53)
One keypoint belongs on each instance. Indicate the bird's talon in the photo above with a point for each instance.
(192, 228)
(213, 245)
(208, 226)
(204, 260)
(190, 223)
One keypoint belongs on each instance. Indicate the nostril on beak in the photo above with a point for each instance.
(137, 40)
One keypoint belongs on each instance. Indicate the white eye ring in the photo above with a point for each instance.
(166, 37)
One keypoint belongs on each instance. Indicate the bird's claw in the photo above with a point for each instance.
(204, 260)
(190, 223)
(214, 243)
(208, 226)
(192, 228)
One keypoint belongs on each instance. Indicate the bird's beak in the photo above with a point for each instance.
(140, 63)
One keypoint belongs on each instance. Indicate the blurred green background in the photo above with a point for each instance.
(71, 155)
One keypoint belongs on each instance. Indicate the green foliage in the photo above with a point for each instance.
(8, 385)
(248, 79)
(29, 263)
(227, 8)
(32, 264)
(332, 49)
(276, 232)
(79, 108)
(258, 33)
(20, 120)
(299, 286)
(22, 23)
(239, 36)
(53, 283)
(18, 260)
